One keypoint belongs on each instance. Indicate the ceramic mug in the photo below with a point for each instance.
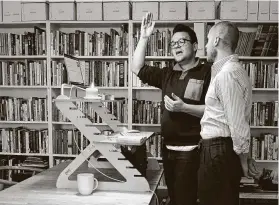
(86, 183)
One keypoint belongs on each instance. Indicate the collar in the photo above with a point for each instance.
(177, 67)
(217, 66)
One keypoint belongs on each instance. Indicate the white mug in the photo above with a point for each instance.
(86, 182)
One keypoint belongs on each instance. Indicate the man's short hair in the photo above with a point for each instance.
(228, 32)
(187, 29)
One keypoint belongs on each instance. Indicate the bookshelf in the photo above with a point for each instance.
(50, 62)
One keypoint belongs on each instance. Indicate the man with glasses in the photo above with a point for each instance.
(183, 91)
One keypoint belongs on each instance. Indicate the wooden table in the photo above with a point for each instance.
(259, 195)
(41, 190)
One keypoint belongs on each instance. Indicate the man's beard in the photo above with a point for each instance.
(211, 56)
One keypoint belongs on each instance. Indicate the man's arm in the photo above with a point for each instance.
(195, 110)
(147, 74)
(139, 55)
(177, 105)
(231, 96)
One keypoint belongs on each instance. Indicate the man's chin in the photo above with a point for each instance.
(178, 59)
(210, 59)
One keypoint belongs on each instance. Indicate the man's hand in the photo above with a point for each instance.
(176, 105)
(249, 167)
(147, 25)
(252, 169)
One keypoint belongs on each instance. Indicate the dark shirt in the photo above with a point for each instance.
(179, 128)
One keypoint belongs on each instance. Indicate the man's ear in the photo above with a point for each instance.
(216, 41)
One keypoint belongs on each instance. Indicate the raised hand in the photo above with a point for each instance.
(147, 25)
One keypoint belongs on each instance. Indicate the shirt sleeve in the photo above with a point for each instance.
(231, 95)
(206, 83)
(151, 75)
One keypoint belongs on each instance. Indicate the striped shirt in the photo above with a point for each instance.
(228, 104)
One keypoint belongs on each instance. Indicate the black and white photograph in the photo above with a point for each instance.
(139, 102)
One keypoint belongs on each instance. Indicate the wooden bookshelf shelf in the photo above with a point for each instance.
(166, 57)
(264, 127)
(96, 124)
(238, 22)
(161, 22)
(266, 89)
(22, 87)
(22, 57)
(95, 57)
(23, 22)
(258, 58)
(24, 154)
(146, 88)
(99, 88)
(23, 122)
(64, 155)
(158, 125)
(146, 125)
(267, 161)
(94, 23)
(254, 89)
(204, 57)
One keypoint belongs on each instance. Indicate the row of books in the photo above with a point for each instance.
(264, 114)
(158, 44)
(117, 108)
(262, 75)
(154, 145)
(23, 109)
(113, 43)
(146, 112)
(29, 43)
(20, 175)
(111, 74)
(16, 73)
(23, 140)
(101, 73)
(68, 141)
(71, 141)
(264, 147)
(263, 42)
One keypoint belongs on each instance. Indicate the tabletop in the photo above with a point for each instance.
(259, 195)
(41, 190)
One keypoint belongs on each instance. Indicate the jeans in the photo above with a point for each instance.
(219, 172)
(180, 170)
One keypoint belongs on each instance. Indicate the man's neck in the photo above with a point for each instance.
(187, 65)
(222, 54)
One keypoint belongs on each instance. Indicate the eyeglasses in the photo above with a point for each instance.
(180, 42)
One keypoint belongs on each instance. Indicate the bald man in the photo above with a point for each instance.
(225, 129)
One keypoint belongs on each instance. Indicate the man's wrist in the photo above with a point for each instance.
(185, 108)
(144, 38)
